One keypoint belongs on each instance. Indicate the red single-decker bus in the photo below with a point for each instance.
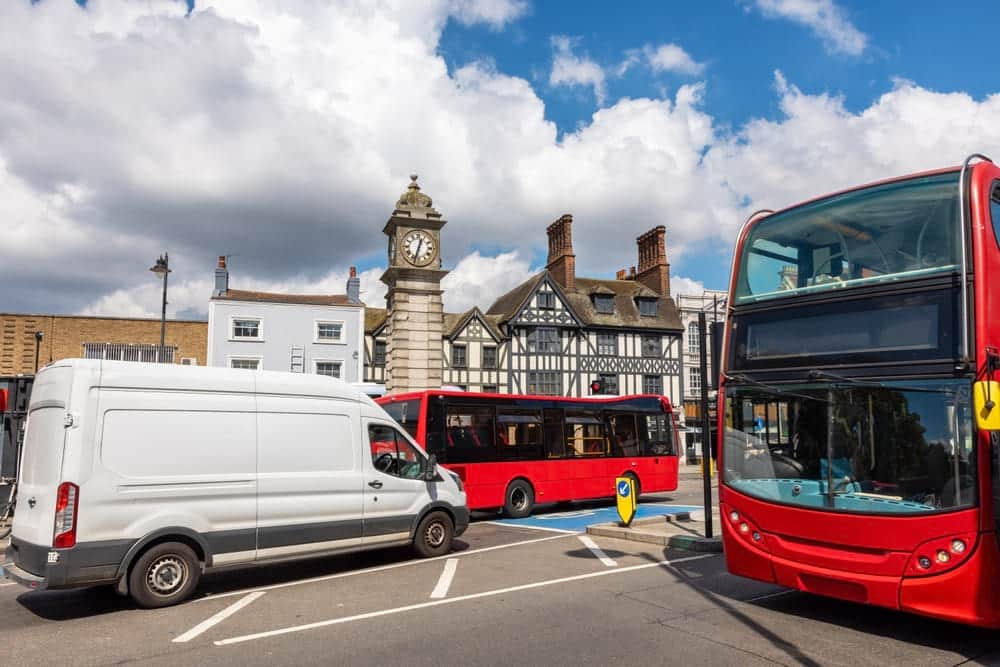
(514, 451)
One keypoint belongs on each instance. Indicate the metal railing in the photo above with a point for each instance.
(159, 354)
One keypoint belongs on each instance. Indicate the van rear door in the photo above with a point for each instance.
(42, 456)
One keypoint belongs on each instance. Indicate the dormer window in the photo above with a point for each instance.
(604, 303)
(648, 307)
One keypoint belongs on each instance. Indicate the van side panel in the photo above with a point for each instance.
(310, 485)
(173, 459)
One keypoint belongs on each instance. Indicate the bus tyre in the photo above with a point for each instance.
(164, 574)
(638, 486)
(434, 534)
(520, 499)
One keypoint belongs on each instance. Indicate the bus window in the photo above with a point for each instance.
(585, 433)
(555, 441)
(656, 435)
(469, 434)
(624, 436)
(519, 434)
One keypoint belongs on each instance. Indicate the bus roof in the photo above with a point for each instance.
(413, 395)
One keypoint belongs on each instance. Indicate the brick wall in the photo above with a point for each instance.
(64, 336)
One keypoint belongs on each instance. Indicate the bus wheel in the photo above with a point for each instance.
(520, 499)
(638, 486)
(165, 574)
(433, 537)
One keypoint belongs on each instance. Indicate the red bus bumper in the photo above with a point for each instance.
(965, 594)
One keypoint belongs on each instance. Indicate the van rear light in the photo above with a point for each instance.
(64, 529)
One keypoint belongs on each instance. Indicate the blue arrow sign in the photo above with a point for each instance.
(623, 489)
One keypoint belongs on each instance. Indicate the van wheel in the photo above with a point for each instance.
(165, 574)
(520, 499)
(434, 535)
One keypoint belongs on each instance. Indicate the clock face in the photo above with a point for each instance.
(418, 247)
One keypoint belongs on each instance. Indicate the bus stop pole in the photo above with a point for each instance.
(706, 431)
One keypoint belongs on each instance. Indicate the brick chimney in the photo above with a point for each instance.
(562, 261)
(354, 286)
(654, 272)
(221, 277)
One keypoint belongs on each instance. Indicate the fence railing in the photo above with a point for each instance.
(130, 352)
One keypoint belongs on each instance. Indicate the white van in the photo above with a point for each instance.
(145, 476)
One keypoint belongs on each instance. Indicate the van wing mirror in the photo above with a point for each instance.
(430, 469)
(985, 395)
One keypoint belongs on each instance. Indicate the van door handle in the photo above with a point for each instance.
(375, 485)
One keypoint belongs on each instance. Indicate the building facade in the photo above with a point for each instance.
(72, 336)
(300, 333)
(713, 304)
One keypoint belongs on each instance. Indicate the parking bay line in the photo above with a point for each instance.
(380, 568)
(217, 618)
(444, 583)
(597, 551)
(463, 598)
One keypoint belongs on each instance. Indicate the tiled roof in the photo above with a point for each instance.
(374, 318)
(269, 297)
(508, 304)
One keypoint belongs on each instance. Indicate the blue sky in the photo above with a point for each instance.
(282, 133)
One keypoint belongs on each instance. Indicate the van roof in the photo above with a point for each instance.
(178, 377)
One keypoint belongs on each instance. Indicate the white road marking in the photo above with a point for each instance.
(380, 568)
(463, 598)
(444, 583)
(548, 530)
(218, 618)
(601, 556)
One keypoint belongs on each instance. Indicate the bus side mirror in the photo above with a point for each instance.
(430, 471)
(985, 395)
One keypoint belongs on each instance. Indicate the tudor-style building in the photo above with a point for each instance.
(555, 333)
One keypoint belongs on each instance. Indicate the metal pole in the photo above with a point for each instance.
(706, 432)
(163, 315)
(38, 345)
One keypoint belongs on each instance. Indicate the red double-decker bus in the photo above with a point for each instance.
(514, 451)
(855, 440)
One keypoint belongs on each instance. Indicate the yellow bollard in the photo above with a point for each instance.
(711, 467)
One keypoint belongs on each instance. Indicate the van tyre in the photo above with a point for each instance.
(434, 534)
(164, 574)
(520, 499)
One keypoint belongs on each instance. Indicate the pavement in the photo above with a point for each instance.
(678, 530)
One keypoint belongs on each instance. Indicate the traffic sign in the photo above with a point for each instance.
(625, 495)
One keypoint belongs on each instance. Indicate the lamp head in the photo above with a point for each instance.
(162, 266)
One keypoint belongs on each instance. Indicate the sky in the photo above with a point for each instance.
(281, 134)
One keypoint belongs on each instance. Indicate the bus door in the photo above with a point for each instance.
(587, 445)
(559, 470)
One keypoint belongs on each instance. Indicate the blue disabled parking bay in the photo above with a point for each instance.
(576, 521)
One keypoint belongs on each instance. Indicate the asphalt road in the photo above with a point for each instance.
(508, 595)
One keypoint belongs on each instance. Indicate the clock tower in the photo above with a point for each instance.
(415, 320)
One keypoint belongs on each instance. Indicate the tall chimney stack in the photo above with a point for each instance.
(354, 286)
(654, 271)
(221, 277)
(562, 262)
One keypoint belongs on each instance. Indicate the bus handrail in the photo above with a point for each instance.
(965, 278)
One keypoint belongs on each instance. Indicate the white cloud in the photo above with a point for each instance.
(282, 133)
(825, 19)
(682, 285)
(672, 58)
(494, 13)
(569, 69)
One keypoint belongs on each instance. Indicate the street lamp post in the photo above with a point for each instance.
(38, 345)
(161, 269)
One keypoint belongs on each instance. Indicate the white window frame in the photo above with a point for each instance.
(317, 362)
(326, 341)
(249, 339)
(243, 357)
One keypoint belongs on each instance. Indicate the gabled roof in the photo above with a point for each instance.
(374, 319)
(626, 313)
(511, 302)
(455, 323)
(271, 297)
